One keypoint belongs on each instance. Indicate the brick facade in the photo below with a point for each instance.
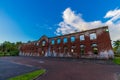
(94, 43)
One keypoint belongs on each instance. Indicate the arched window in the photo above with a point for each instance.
(65, 49)
(82, 49)
(95, 50)
(73, 48)
(82, 46)
(59, 49)
(43, 43)
(94, 45)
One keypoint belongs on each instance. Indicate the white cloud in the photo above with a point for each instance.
(113, 14)
(74, 22)
(113, 23)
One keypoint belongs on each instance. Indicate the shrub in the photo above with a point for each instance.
(1, 53)
(117, 55)
(14, 53)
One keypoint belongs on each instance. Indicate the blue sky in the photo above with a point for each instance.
(24, 20)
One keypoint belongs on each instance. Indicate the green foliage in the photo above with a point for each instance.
(29, 76)
(116, 46)
(9, 49)
(118, 50)
(116, 60)
(14, 53)
(117, 55)
(1, 54)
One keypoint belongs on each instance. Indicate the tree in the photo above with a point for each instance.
(116, 45)
(8, 48)
(118, 50)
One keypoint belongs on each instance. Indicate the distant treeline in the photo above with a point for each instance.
(9, 49)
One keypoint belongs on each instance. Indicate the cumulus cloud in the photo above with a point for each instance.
(113, 23)
(73, 22)
(113, 14)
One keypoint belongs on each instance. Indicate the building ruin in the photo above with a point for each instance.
(94, 43)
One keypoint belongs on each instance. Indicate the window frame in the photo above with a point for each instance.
(94, 45)
(58, 41)
(82, 38)
(82, 46)
(93, 36)
(65, 40)
(52, 41)
(43, 43)
(72, 38)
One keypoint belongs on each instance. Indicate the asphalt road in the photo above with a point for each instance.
(11, 69)
(68, 69)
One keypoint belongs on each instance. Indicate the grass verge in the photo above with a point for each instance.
(116, 60)
(29, 76)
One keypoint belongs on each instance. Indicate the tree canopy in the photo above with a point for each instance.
(9, 49)
(116, 46)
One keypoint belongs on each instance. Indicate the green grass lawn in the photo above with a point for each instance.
(116, 60)
(29, 76)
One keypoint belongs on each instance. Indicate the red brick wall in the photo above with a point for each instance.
(64, 49)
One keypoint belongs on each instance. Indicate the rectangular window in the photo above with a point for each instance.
(37, 44)
(93, 36)
(53, 42)
(72, 39)
(82, 37)
(58, 41)
(65, 40)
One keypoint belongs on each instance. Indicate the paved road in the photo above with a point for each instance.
(70, 69)
(11, 69)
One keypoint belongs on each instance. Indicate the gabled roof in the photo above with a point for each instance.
(43, 37)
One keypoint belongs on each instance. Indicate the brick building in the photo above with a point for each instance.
(94, 43)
